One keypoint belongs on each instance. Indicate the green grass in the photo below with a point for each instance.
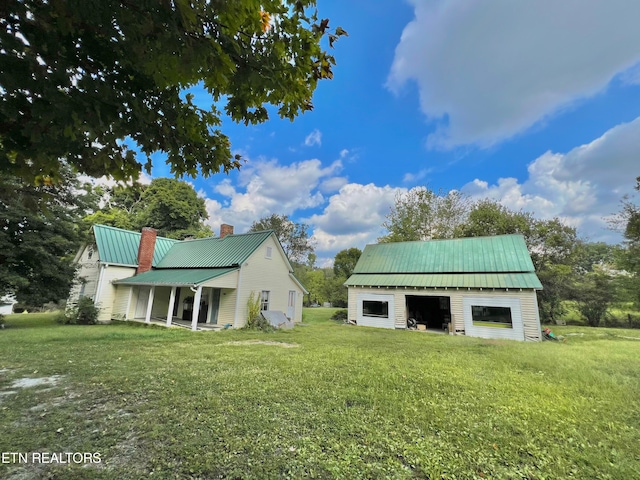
(617, 314)
(343, 402)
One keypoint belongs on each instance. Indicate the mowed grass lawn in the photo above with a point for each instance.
(321, 401)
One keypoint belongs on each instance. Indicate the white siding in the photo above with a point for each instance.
(88, 271)
(230, 280)
(226, 314)
(109, 295)
(272, 274)
(527, 299)
(161, 302)
(123, 292)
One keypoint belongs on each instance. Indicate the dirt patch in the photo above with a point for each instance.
(263, 342)
(36, 382)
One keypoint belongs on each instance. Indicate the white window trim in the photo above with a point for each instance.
(268, 252)
(514, 333)
(382, 322)
(262, 300)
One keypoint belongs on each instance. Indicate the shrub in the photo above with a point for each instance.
(255, 321)
(593, 297)
(1, 321)
(19, 308)
(632, 321)
(340, 315)
(51, 307)
(83, 313)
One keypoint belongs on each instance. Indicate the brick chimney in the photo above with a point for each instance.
(226, 230)
(146, 249)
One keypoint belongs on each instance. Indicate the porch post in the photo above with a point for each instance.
(196, 308)
(172, 301)
(210, 309)
(126, 314)
(147, 318)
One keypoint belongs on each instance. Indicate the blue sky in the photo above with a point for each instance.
(533, 104)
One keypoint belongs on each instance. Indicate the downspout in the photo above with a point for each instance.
(237, 312)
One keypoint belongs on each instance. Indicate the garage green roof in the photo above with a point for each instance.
(503, 253)
(120, 247)
(176, 277)
(478, 262)
(214, 252)
(447, 280)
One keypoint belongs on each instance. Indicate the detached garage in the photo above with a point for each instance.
(480, 286)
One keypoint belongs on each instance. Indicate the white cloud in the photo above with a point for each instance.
(632, 76)
(265, 187)
(416, 177)
(333, 184)
(314, 138)
(487, 71)
(582, 187)
(352, 218)
(109, 182)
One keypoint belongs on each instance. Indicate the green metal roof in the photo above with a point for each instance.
(498, 254)
(120, 247)
(450, 280)
(214, 252)
(176, 277)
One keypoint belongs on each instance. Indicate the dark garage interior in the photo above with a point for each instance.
(432, 312)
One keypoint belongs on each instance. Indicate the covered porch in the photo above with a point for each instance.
(199, 298)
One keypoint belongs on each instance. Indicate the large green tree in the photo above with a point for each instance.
(630, 257)
(488, 217)
(345, 261)
(173, 208)
(39, 236)
(84, 81)
(422, 214)
(343, 265)
(294, 237)
(170, 206)
(593, 294)
(552, 245)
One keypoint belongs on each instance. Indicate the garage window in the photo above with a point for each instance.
(372, 308)
(484, 316)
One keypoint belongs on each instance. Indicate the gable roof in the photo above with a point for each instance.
(477, 262)
(120, 247)
(503, 253)
(214, 252)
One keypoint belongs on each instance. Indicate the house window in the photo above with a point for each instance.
(268, 252)
(264, 300)
(483, 316)
(372, 308)
(292, 298)
(90, 253)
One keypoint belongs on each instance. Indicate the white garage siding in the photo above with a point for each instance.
(383, 320)
(526, 298)
(516, 332)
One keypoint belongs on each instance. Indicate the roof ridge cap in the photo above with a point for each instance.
(133, 232)
(271, 230)
(447, 239)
